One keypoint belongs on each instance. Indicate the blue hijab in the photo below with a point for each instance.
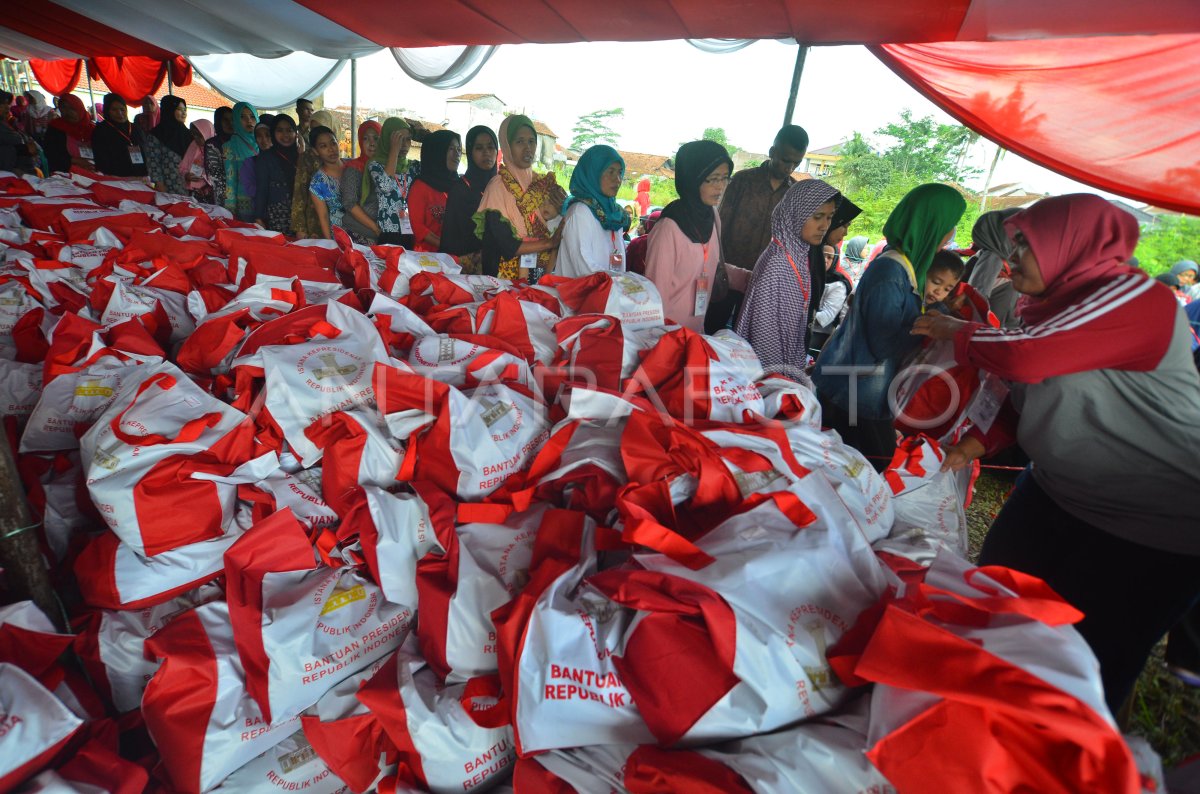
(585, 187)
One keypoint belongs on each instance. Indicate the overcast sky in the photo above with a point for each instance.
(671, 92)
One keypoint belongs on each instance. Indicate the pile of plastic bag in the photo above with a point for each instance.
(335, 518)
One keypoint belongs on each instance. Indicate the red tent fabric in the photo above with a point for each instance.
(1119, 113)
(134, 77)
(57, 77)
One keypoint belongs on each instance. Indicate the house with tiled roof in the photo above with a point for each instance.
(638, 164)
(820, 162)
(201, 98)
(470, 110)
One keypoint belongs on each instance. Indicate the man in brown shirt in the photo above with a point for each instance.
(746, 214)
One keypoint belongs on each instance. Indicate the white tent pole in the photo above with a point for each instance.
(353, 107)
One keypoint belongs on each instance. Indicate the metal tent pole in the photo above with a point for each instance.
(799, 70)
(170, 85)
(91, 96)
(353, 107)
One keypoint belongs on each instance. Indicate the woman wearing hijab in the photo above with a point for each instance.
(685, 246)
(68, 140)
(15, 145)
(643, 196)
(594, 223)
(862, 357)
(775, 315)
(38, 115)
(117, 142)
(818, 264)
(515, 207)
(989, 270)
(149, 117)
(305, 222)
(275, 174)
(214, 152)
(834, 303)
(854, 257)
(1106, 401)
(191, 167)
(237, 150)
(386, 180)
(440, 155)
(462, 201)
(1187, 271)
(166, 146)
(359, 216)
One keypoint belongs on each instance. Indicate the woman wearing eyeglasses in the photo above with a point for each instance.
(685, 246)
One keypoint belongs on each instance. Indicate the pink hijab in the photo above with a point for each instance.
(195, 154)
(1081, 241)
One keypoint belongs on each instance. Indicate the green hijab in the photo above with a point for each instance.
(390, 126)
(920, 221)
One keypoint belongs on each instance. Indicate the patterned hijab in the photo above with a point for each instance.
(787, 219)
(323, 118)
(1080, 241)
(509, 128)
(585, 187)
(242, 143)
(919, 222)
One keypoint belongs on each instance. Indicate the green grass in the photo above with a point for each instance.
(1164, 710)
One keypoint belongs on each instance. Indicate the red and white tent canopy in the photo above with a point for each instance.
(1116, 110)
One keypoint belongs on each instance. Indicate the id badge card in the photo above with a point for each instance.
(405, 223)
(528, 261)
(986, 405)
(86, 153)
(135, 155)
(616, 261)
(196, 171)
(701, 296)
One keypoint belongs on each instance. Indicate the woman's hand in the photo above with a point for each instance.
(960, 455)
(937, 326)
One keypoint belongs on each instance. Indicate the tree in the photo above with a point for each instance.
(593, 128)
(860, 168)
(1166, 241)
(928, 151)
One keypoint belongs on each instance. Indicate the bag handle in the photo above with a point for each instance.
(1034, 599)
(188, 433)
(485, 686)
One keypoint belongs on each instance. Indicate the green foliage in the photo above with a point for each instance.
(1171, 238)
(593, 128)
(861, 169)
(927, 150)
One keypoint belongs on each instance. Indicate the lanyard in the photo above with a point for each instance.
(128, 139)
(912, 275)
(805, 289)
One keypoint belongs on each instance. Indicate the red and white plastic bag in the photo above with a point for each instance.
(702, 377)
(394, 531)
(484, 562)
(34, 726)
(291, 765)
(450, 738)
(197, 710)
(140, 455)
(301, 627)
(112, 643)
(984, 664)
(466, 442)
(929, 504)
(632, 299)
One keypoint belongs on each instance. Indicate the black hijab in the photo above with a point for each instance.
(169, 131)
(476, 177)
(693, 163)
(846, 211)
(434, 171)
(221, 137)
(290, 154)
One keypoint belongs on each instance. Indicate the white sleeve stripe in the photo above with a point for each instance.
(1094, 307)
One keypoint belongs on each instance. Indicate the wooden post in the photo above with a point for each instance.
(801, 55)
(25, 571)
(91, 96)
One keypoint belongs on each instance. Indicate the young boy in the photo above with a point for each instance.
(943, 276)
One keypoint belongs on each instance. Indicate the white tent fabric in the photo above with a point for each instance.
(721, 46)
(442, 67)
(267, 28)
(268, 83)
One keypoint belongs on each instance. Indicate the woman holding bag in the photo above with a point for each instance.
(1106, 401)
(858, 363)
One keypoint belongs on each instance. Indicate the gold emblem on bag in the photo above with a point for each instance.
(445, 350)
(298, 757)
(341, 598)
(822, 676)
(106, 459)
(331, 368)
(92, 388)
(495, 412)
(749, 482)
